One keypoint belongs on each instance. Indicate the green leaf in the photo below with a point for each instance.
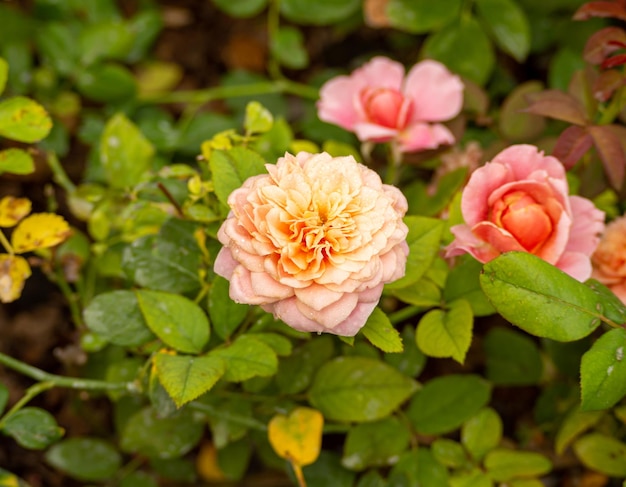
(603, 371)
(241, 8)
(575, 423)
(56, 43)
(424, 293)
(185, 378)
(4, 397)
(539, 298)
(473, 478)
(138, 479)
(7, 479)
(226, 315)
(287, 47)
(124, 152)
(24, 120)
(325, 11)
(449, 452)
(107, 83)
(481, 433)
(464, 48)
(421, 16)
(423, 202)
(295, 373)
(4, 74)
(508, 23)
(231, 168)
(258, 118)
(176, 320)
(463, 282)
(381, 333)
(602, 453)
(326, 471)
(503, 465)
(115, 316)
(32, 428)
(359, 389)
(280, 344)
(247, 357)
(514, 123)
(168, 261)
(105, 40)
(411, 361)
(172, 437)
(423, 240)
(445, 403)
(418, 467)
(512, 358)
(446, 333)
(86, 459)
(375, 444)
(16, 161)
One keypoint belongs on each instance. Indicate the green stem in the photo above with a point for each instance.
(394, 165)
(71, 297)
(61, 381)
(404, 314)
(59, 174)
(273, 24)
(5, 243)
(221, 92)
(611, 112)
(228, 416)
(30, 393)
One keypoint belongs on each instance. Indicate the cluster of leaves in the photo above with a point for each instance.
(200, 385)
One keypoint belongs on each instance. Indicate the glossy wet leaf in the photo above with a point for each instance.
(539, 298)
(602, 453)
(115, 317)
(381, 333)
(13, 209)
(503, 465)
(39, 231)
(171, 437)
(482, 432)
(375, 444)
(359, 389)
(421, 16)
(462, 282)
(86, 459)
(297, 437)
(247, 357)
(16, 161)
(14, 270)
(296, 372)
(226, 315)
(508, 24)
(125, 153)
(512, 358)
(446, 333)
(185, 377)
(232, 167)
(603, 371)
(176, 320)
(32, 428)
(24, 120)
(445, 403)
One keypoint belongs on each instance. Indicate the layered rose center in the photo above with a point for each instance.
(386, 107)
(523, 217)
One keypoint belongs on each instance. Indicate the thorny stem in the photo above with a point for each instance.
(221, 92)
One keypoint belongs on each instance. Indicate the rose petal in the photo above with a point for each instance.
(422, 136)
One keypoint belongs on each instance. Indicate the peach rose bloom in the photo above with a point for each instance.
(519, 201)
(314, 241)
(609, 259)
(379, 104)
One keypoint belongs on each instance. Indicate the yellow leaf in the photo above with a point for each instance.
(297, 437)
(14, 270)
(12, 210)
(39, 231)
(206, 463)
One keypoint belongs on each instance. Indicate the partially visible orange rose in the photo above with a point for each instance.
(609, 259)
(314, 241)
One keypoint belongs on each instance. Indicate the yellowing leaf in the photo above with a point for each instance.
(297, 437)
(12, 210)
(14, 270)
(207, 465)
(39, 231)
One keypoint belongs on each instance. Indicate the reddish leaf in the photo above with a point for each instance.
(613, 61)
(616, 9)
(611, 152)
(558, 105)
(606, 84)
(603, 43)
(572, 145)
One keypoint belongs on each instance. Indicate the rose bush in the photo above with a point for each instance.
(609, 259)
(519, 201)
(314, 241)
(379, 104)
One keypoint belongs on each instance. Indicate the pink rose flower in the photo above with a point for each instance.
(609, 259)
(314, 241)
(520, 201)
(379, 104)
